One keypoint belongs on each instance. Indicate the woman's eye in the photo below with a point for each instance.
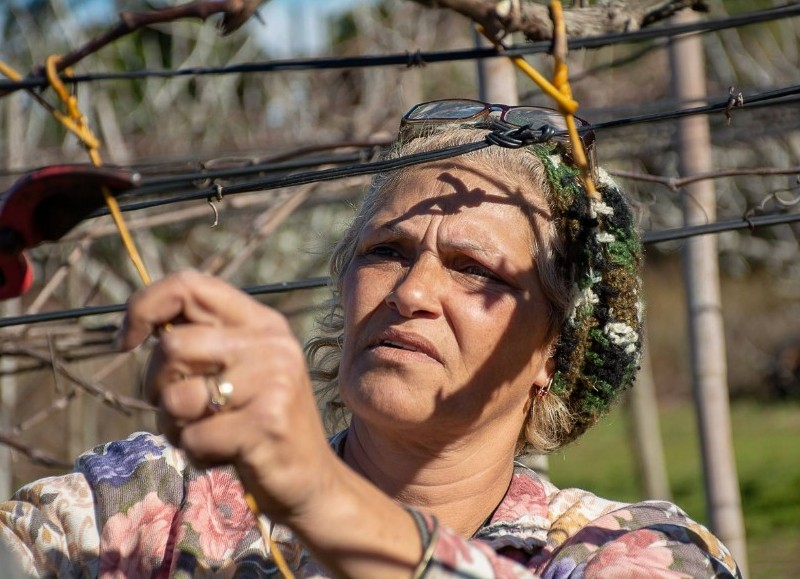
(481, 272)
(385, 251)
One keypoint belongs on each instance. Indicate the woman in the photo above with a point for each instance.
(483, 305)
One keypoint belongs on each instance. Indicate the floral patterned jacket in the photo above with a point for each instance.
(136, 508)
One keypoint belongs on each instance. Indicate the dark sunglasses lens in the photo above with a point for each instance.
(452, 109)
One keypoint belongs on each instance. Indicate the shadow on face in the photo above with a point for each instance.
(511, 344)
(463, 196)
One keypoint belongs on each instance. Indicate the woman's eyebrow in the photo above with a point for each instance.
(401, 232)
(393, 228)
(467, 245)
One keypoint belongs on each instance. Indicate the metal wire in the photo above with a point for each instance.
(769, 98)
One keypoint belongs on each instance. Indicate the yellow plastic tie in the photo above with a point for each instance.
(564, 100)
(76, 122)
(9, 72)
(561, 82)
(547, 87)
(560, 91)
(280, 561)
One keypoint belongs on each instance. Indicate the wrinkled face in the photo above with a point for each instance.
(445, 319)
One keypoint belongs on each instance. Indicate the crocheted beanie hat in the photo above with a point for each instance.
(599, 345)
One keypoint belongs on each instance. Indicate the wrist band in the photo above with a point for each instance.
(427, 537)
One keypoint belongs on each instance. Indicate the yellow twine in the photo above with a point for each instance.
(560, 91)
(76, 123)
(564, 100)
(280, 562)
(561, 82)
(9, 72)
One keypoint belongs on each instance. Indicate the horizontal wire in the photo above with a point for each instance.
(294, 159)
(256, 161)
(752, 101)
(269, 167)
(70, 314)
(301, 178)
(782, 96)
(420, 58)
(652, 237)
(649, 237)
(154, 185)
(180, 170)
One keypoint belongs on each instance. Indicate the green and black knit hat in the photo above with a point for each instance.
(599, 346)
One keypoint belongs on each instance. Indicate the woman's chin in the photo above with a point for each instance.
(387, 404)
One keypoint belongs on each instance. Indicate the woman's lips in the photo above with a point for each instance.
(398, 343)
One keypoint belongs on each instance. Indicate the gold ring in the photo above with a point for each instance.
(220, 391)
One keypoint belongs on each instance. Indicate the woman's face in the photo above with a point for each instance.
(445, 319)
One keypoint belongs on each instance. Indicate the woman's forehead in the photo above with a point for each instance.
(453, 186)
(472, 207)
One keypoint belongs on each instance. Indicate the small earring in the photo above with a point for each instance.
(339, 340)
(543, 391)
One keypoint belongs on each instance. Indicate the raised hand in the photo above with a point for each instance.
(215, 342)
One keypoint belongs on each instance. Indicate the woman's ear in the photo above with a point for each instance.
(541, 385)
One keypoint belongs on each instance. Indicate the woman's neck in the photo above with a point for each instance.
(461, 484)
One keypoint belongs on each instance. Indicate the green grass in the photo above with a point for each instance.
(767, 448)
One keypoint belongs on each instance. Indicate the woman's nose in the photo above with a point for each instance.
(417, 293)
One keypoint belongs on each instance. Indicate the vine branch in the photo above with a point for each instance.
(35, 455)
(124, 404)
(235, 14)
(675, 183)
(501, 17)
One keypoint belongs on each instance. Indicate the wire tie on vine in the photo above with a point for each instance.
(414, 59)
(218, 195)
(735, 101)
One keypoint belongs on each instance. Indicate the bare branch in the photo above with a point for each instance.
(124, 404)
(235, 13)
(675, 183)
(54, 407)
(33, 454)
(533, 19)
(224, 263)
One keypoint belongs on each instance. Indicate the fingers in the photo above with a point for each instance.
(186, 403)
(186, 296)
(214, 440)
(271, 431)
(269, 424)
(190, 361)
(201, 350)
(185, 399)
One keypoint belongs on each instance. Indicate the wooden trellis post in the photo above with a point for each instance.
(645, 433)
(707, 340)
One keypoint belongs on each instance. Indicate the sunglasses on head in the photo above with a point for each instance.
(487, 115)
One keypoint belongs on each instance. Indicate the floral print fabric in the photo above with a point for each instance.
(136, 508)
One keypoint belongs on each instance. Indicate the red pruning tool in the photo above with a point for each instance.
(43, 206)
